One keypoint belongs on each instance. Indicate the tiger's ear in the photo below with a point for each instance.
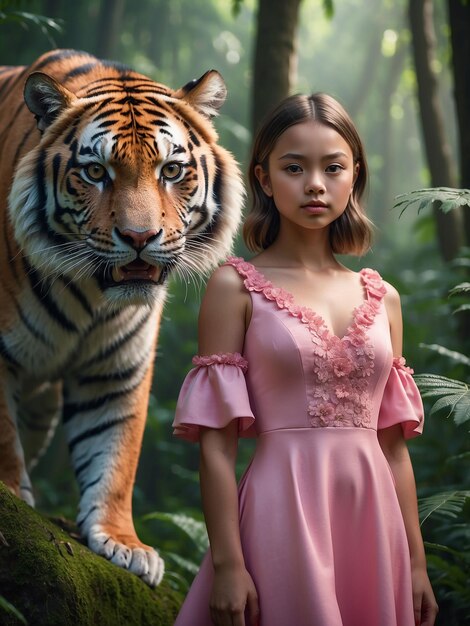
(46, 98)
(206, 94)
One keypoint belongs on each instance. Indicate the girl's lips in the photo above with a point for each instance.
(315, 208)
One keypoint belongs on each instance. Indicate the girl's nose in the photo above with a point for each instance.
(315, 184)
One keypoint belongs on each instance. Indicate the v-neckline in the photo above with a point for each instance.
(286, 295)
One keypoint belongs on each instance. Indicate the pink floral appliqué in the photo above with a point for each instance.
(222, 358)
(341, 366)
(399, 363)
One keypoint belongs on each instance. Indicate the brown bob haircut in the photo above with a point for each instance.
(351, 233)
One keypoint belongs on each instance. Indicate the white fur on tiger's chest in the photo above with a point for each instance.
(53, 339)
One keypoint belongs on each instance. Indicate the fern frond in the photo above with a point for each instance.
(458, 357)
(453, 395)
(447, 197)
(429, 382)
(462, 307)
(195, 529)
(185, 564)
(447, 504)
(461, 288)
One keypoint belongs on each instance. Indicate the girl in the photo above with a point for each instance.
(305, 354)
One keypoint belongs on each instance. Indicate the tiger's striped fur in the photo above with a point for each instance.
(118, 183)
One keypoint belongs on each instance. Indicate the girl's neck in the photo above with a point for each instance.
(309, 249)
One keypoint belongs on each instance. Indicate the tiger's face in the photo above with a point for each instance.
(126, 185)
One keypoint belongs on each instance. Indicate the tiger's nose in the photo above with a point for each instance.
(138, 239)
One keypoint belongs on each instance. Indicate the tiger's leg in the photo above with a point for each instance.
(104, 419)
(39, 411)
(12, 464)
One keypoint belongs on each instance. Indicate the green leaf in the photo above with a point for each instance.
(461, 288)
(462, 307)
(453, 395)
(440, 548)
(23, 18)
(195, 529)
(447, 504)
(440, 384)
(185, 564)
(448, 402)
(458, 357)
(9, 608)
(447, 198)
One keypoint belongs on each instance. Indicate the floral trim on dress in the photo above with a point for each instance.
(341, 366)
(222, 358)
(399, 363)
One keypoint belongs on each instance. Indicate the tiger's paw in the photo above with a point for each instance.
(129, 553)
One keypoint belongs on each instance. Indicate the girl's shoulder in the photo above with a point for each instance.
(225, 281)
(392, 297)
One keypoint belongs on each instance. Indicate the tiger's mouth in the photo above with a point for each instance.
(137, 271)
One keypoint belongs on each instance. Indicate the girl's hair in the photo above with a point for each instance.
(351, 233)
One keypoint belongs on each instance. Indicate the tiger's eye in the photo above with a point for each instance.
(95, 171)
(171, 170)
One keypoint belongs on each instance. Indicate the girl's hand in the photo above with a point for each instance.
(233, 591)
(424, 602)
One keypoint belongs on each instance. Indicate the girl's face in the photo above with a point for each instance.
(310, 175)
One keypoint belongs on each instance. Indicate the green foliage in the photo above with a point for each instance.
(44, 24)
(446, 197)
(448, 504)
(7, 607)
(458, 357)
(445, 513)
(180, 569)
(453, 396)
(196, 530)
(451, 575)
(462, 288)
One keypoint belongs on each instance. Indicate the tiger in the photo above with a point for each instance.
(110, 183)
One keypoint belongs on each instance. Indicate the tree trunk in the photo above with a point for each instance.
(395, 67)
(438, 153)
(274, 54)
(459, 18)
(109, 24)
(54, 580)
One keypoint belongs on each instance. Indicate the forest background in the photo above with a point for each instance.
(399, 69)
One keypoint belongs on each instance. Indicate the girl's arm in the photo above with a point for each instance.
(396, 452)
(222, 325)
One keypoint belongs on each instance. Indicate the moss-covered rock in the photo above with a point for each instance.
(53, 579)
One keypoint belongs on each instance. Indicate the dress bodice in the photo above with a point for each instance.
(302, 375)
(295, 373)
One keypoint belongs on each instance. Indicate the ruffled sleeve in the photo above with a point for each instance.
(401, 403)
(212, 395)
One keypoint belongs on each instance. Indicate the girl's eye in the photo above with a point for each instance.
(294, 169)
(95, 172)
(171, 171)
(334, 168)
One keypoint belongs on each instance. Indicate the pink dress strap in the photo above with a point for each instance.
(212, 395)
(373, 283)
(401, 402)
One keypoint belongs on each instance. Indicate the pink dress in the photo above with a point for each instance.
(321, 528)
